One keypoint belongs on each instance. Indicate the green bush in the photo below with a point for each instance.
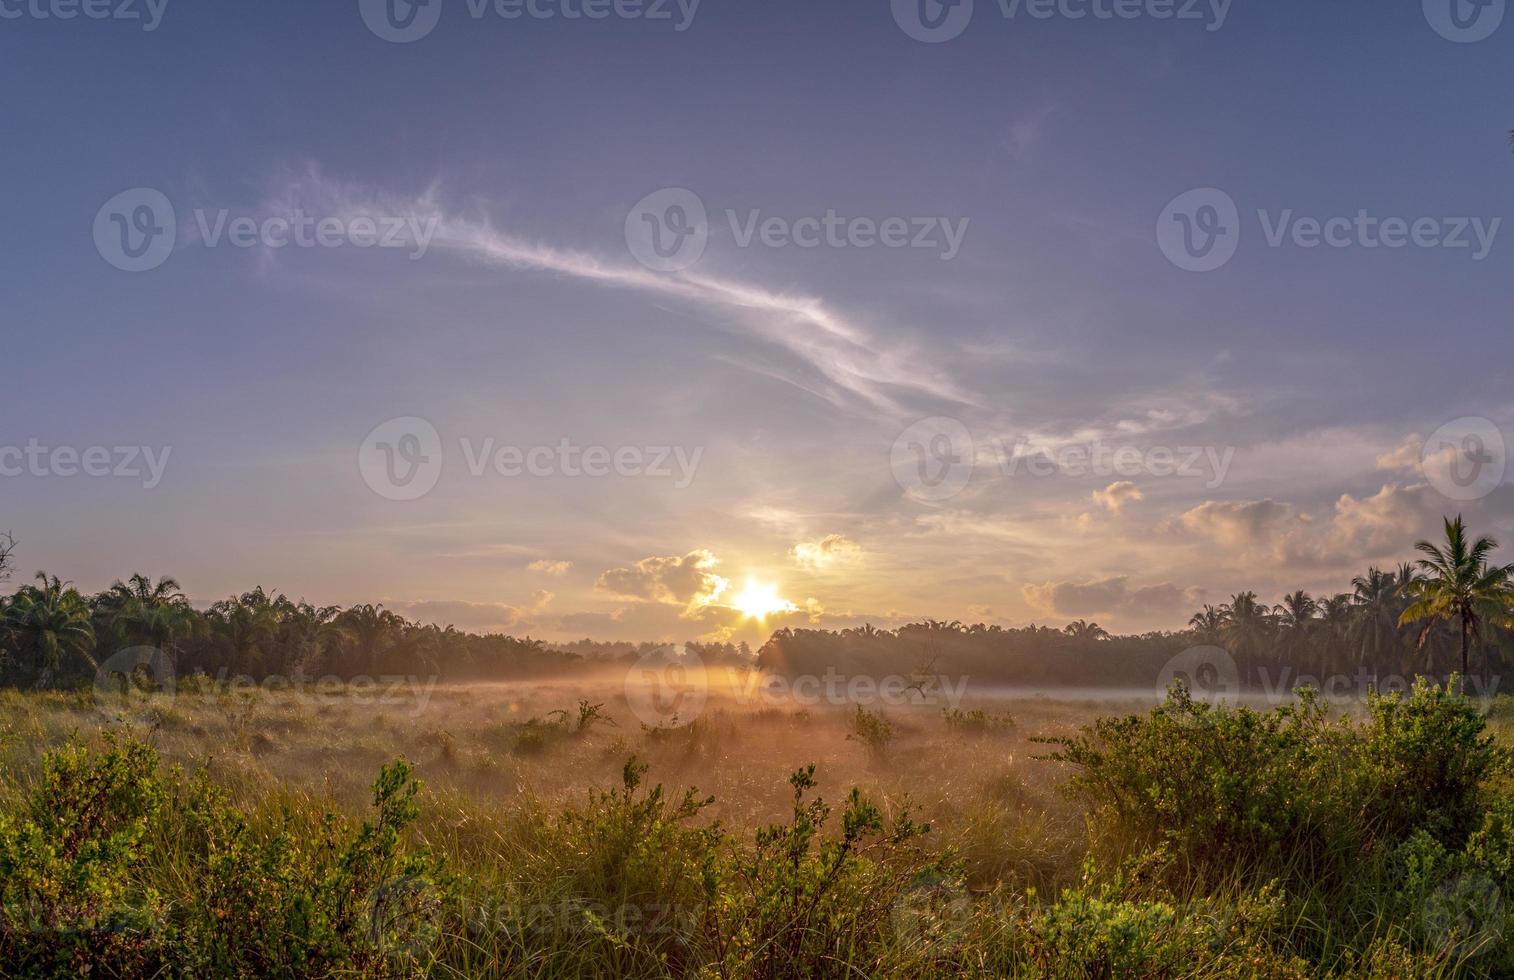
(69, 896)
(75, 862)
(798, 904)
(1288, 792)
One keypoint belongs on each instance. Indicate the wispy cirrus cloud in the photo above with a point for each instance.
(854, 364)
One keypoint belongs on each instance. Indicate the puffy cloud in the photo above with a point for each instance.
(827, 551)
(1381, 526)
(689, 580)
(1405, 457)
(541, 599)
(1388, 521)
(547, 566)
(1242, 524)
(1117, 495)
(1110, 595)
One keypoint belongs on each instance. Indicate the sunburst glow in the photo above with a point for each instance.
(759, 600)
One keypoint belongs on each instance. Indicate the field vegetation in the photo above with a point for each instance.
(409, 824)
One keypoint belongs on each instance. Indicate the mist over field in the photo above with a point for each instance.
(735, 490)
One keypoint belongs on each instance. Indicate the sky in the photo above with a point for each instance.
(630, 326)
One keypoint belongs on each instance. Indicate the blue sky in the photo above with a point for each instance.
(792, 371)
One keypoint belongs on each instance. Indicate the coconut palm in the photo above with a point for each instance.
(1460, 583)
(1379, 603)
(1208, 626)
(1248, 628)
(1083, 630)
(1295, 621)
(49, 630)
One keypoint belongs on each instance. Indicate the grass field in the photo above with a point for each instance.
(532, 848)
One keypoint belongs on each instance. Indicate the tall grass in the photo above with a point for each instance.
(1188, 841)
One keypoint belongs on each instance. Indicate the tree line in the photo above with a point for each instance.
(1450, 610)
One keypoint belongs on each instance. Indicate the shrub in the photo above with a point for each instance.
(873, 730)
(976, 722)
(74, 862)
(798, 905)
(68, 894)
(282, 904)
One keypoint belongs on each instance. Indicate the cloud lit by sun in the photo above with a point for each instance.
(759, 600)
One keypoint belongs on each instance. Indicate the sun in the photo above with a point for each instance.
(759, 600)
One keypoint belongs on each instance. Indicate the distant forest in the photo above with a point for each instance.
(1448, 611)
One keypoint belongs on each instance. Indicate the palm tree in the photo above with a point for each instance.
(371, 632)
(50, 631)
(247, 624)
(1248, 628)
(1378, 598)
(1295, 624)
(1296, 611)
(1460, 584)
(1083, 630)
(153, 614)
(1208, 626)
(1335, 617)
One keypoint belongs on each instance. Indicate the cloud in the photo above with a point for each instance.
(1385, 523)
(852, 363)
(1117, 495)
(689, 580)
(827, 551)
(1110, 595)
(478, 617)
(541, 599)
(556, 569)
(1405, 457)
(1240, 524)
(1357, 529)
